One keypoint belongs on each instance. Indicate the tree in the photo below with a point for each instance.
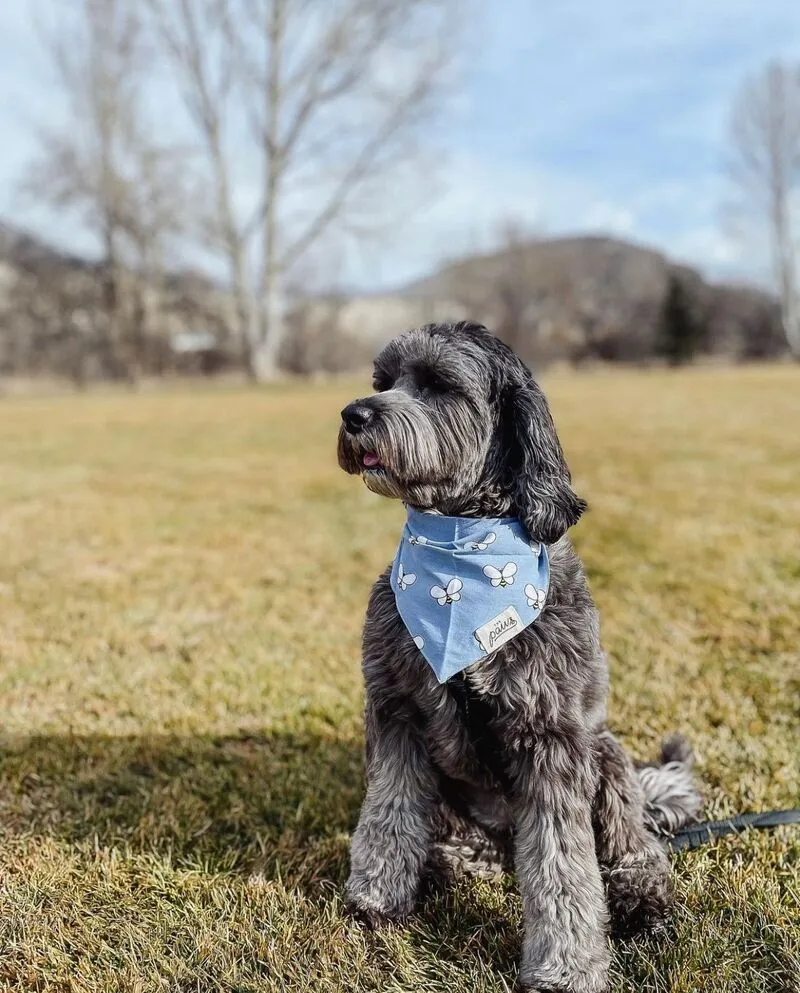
(101, 165)
(682, 329)
(765, 169)
(325, 102)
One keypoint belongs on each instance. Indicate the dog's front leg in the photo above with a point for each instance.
(565, 916)
(392, 841)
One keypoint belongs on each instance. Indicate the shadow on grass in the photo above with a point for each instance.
(273, 803)
(281, 806)
(468, 918)
(277, 807)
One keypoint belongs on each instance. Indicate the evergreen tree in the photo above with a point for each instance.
(682, 330)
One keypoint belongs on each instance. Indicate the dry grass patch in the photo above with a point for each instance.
(182, 588)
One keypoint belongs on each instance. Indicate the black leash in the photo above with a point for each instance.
(697, 835)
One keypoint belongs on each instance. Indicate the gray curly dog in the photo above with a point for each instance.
(510, 762)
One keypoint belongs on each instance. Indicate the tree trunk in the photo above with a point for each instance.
(266, 348)
(265, 354)
(785, 264)
(790, 315)
(77, 356)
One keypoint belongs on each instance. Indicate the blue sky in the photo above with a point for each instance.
(572, 116)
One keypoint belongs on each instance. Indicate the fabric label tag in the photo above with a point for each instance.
(499, 630)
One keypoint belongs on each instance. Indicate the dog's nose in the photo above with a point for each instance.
(357, 416)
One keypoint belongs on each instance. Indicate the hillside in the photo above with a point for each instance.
(599, 297)
(585, 257)
(19, 248)
(575, 299)
(65, 315)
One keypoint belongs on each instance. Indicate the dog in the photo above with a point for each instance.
(509, 762)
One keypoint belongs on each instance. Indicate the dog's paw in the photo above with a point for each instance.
(576, 969)
(527, 988)
(370, 918)
(373, 909)
(640, 896)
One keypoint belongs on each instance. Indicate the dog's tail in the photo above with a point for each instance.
(672, 799)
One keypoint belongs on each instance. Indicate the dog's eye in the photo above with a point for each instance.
(381, 382)
(430, 381)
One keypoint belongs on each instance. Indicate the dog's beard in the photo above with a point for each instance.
(396, 457)
(383, 483)
(400, 455)
(420, 457)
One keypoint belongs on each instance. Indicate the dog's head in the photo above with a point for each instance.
(458, 425)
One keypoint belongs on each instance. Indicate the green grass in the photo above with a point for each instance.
(182, 585)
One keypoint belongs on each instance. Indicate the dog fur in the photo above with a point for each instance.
(510, 762)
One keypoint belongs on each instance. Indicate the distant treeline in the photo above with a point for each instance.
(575, 300)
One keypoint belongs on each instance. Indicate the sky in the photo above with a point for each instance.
(571, 117)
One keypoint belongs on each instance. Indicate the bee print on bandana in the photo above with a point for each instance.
(479, 546)
(405, 579)
(449, 595)
(418, 539)
(535, 597)
(501, 577)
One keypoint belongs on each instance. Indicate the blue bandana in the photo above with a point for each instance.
(464, 586)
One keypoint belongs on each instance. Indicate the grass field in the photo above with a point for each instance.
(182, 583)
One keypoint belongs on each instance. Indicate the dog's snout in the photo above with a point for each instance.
(357, 416)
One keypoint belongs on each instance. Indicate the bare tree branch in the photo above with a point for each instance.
(764, 166)
(331, 93)
(185, 28)
(102, 165)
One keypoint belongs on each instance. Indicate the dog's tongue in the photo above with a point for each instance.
(370, 460)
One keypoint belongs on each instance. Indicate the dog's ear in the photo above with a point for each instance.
(536, 472)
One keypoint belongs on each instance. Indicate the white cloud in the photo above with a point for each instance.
(611, 217)
(574, 117)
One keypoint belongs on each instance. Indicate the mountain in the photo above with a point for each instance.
(572, 299)
(62, 314)
(20, 249)
(595, 297)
